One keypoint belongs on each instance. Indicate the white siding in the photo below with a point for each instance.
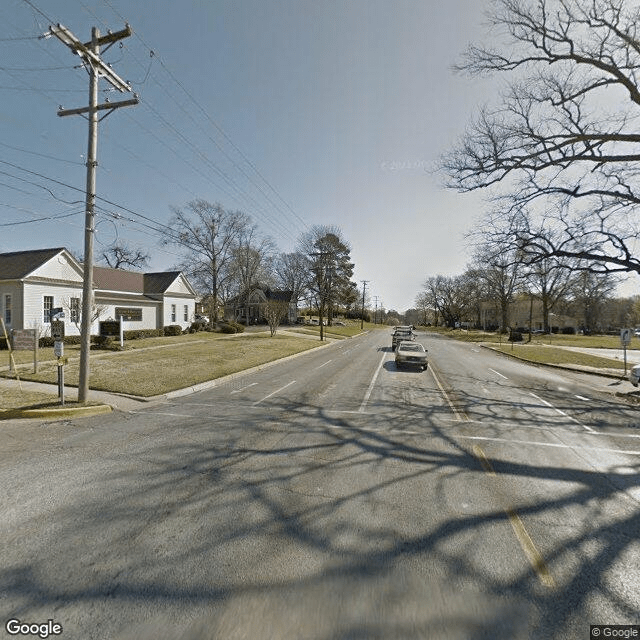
(148, 314)
(15, 291)
(180, 303)
(33, 306)
(58, 268)
(179, 286)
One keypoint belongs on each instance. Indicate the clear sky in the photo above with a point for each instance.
(298, 112)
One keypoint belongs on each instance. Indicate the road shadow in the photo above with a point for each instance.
(282, 528)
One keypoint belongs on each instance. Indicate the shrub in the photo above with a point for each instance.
(227, 327)
(568, 331)
(173, 330)
(3, 344)
(104, 342)
(515, 336)
(138, 334)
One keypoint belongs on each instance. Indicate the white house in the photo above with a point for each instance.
(34, 282)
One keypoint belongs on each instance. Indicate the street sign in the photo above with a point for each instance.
(57, 329)
(109, 328)
(625, 337)
(129, 314)
(23, 339)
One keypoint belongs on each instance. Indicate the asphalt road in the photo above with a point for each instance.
(333, 496)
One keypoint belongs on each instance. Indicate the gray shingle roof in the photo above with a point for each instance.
(159, 282)
(20, 264)
(108, 279)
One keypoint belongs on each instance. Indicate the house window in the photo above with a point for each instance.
(46, 308)
(173, 313)
(186, 313)
(7, 309)
(74, 310)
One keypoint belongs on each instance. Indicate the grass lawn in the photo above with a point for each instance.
(182, 362)
(334, 331)
(593, 342)
(549, 355)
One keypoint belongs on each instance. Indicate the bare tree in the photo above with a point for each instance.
(330, 266)
(208, 235)
(120, 255)
(563, 145)
(590, 294)
(275, 311)
(448, 296)
(500, 269)
(292, 273)
(251, 261)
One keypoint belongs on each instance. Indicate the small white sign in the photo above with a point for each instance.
(625, 336)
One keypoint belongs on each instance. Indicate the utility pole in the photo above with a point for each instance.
(364, 288)
(90, 54)
(375, 313)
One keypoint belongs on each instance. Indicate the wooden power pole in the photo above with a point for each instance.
(90, 54)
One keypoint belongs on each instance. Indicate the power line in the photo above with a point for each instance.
(216, 126)
(44, 15)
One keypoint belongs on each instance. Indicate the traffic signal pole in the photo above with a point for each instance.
(90, 53)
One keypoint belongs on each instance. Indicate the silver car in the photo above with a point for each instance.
(634, 375)
(411, 353)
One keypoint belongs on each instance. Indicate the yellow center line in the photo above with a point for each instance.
(460, 415)
(529, 548)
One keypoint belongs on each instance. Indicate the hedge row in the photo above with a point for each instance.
(139, 334)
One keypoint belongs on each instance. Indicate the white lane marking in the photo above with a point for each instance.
(325, 364)
(498, 373)
(513, 425)
(582, 398)
(160, 413)
(367, 395)
(555, 445)
(273, 393)
(562, 413)
(243, 388)
(193, 404)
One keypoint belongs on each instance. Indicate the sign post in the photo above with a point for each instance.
(58, 351)
(57, 333)
(625, 339)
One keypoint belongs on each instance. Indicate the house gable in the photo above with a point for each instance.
(180, 286)
(62, 267)
(40, 264)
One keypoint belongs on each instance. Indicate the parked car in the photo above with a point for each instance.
(200, 319)
(401, 333)
(634, 375)
(411, 353)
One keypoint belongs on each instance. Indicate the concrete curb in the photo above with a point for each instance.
(210, 384)
(594, 372)
(62, 412)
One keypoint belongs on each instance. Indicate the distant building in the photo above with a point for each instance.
(34, 282)
(250, 308)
